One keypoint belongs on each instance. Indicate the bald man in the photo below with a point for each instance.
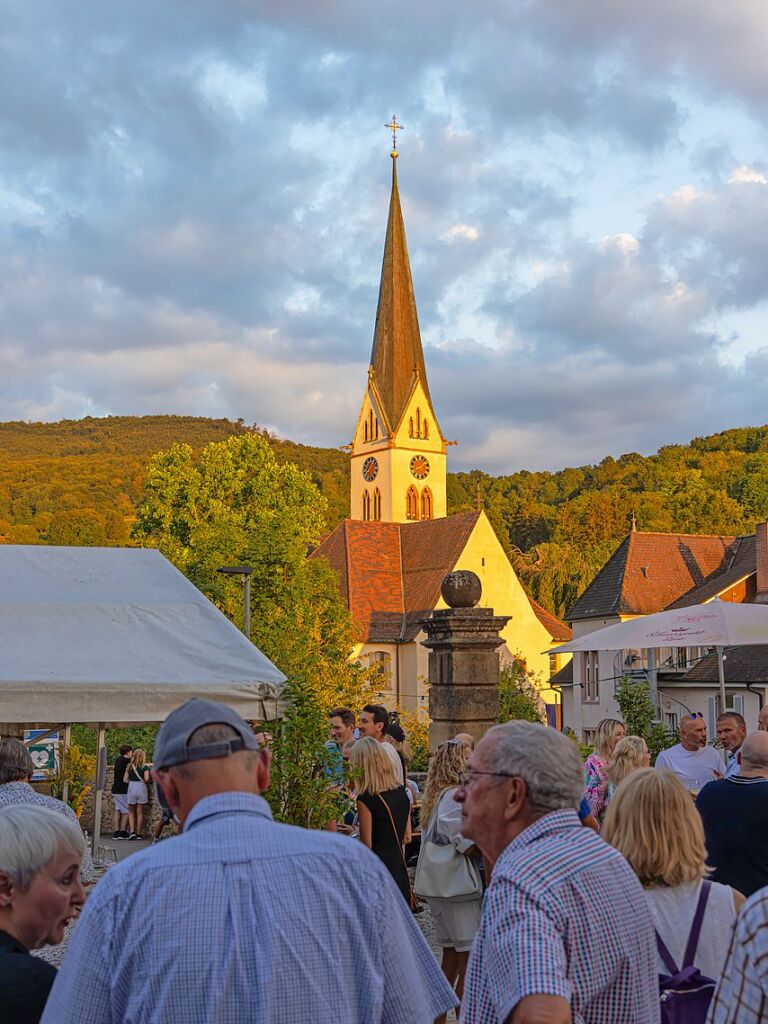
(692, 761)
(734, 812)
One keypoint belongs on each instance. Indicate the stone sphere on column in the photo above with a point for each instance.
(461, 589)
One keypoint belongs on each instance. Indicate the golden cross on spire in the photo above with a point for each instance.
(394, 127)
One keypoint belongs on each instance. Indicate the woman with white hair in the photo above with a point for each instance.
(40, 892)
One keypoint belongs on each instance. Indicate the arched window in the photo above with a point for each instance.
(365, 430)
(376, 504)
(426, 503)
(412, 503)
(425, 431)
(366, 505)
(410, 426)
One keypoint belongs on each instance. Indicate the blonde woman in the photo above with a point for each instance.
(654, 823)
(629, 754)
(455, 923)
(609, 732)
(137, 777)
(383, 808)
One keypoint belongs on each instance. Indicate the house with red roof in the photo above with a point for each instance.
(651, 572)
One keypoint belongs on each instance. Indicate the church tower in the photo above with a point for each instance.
(398, 450)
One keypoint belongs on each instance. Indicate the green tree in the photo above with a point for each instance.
(518, 696)
(638, 712)
(236, 504)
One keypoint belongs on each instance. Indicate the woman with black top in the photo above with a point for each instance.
(40, 892)
(383, 808)
(137, 776)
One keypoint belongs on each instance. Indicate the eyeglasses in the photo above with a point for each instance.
(466, 778)
(696, 714)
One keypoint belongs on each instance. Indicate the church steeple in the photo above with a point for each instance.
(397, 358)
(398, 451)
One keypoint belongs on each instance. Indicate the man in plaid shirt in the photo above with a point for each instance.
(742, 995)
(565, 935)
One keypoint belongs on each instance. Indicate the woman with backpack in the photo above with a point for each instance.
(653, 822)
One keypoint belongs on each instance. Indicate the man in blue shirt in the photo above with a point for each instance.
(240, 919)
(731, 733)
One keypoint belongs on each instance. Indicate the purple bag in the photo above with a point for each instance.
(685, 993)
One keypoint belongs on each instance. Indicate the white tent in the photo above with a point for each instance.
(117, 635)
(108, 636)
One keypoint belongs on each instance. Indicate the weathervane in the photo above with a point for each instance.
(394, 127)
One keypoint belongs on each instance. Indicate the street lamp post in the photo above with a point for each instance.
(245, 571)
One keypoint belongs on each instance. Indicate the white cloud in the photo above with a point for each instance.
(745, 175)
(463, 232)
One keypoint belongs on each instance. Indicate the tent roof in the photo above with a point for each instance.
(117, 635)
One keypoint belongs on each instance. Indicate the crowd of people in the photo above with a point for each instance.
(559, 891)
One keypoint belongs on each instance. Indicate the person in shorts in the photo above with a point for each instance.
(120, 792)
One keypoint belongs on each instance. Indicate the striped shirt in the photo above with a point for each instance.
(240, 920)
(564, 915)
(742, 994)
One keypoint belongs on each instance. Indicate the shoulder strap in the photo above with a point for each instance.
(665, 955)
(698, 918)
(391, 818)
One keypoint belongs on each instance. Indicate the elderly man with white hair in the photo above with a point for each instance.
(40, 892)
(565, 932)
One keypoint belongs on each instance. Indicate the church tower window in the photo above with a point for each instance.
(371, 427)
(376, 504)
(410, 426)
(412, 503)
(426, 504)
(366, 505)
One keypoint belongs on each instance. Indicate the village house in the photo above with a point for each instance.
(651, 572)
(392, 553)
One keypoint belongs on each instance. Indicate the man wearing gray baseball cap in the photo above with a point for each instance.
(240, 919)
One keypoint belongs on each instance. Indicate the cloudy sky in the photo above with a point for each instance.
(193, 198)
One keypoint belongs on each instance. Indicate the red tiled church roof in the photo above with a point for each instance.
(557, 630)
(650, 571)
(390, 573)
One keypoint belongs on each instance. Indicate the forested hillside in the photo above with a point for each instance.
(80, 481)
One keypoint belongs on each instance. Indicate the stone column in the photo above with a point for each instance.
(463, 644)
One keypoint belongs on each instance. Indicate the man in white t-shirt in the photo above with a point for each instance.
(692, 761)
(373, 720)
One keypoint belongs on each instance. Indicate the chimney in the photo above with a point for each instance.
(761, 562)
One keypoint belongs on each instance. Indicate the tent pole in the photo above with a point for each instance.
(721, 677)
(64, 756)
(101, 771)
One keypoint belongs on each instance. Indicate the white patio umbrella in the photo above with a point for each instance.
(715, 624)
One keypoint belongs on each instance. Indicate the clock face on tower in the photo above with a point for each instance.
(370, 469)
(420, 467)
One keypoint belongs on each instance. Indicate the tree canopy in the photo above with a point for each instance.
(81, 481)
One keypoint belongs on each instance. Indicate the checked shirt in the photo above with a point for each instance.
(564, 915)
(742, 995)
(241, 920)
